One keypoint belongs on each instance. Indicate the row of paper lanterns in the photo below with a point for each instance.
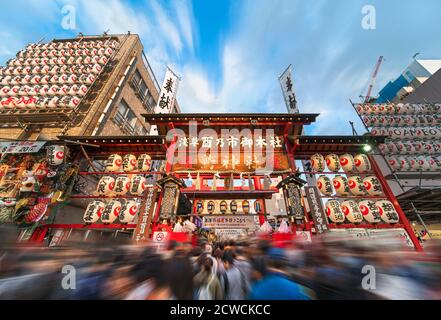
(403, 133)
(37, 57)
(122, 185)
(398, 121)
(15, 64)
(400, 108)
(68, 45)
(408, 163)
(63, 78)
(128, 163)
(232, 206)
(124, 211)
(410, 147)
(44, 90)
(365, 210)
(347, 162)
(346, 186)
(56, 70)
(29, 103)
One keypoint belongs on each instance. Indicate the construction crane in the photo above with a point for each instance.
(372, 80)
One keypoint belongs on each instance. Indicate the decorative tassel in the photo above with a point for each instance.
(251, 183)
(242, 181)
(190, 180)
(198, 182)
(266, 182)
(231, 182)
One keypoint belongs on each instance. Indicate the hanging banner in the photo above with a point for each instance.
(167, 96)
(316, 210)
(142, 229)
(289, 94)
(288, 91)
(21, 146)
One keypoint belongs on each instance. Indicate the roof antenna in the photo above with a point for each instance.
(416, 54)
(106, 33)
(354, 132)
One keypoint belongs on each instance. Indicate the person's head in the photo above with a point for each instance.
(258, 267)
(228, 259)
(264, 246)
(276, 258)
(180, 274)
(208, 248)
(218, 253)
(150, 268)
(208, 264)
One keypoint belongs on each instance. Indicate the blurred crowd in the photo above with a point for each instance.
(250, 269)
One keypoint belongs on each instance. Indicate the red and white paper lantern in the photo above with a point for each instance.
(370, 211)
(387, 211)
(114, 163)
(144, 162)
(129, 163)
(129, 211)
(55, 155)
(318, 163)
(351, 211)
(356, 186)
(333, 211)
(93, 212)
(347, 162)
(373, 186)
(362, 163)
(324, 185)
(111, 212)
(106, 186)
(333, 162)
(139, 185)
(341, 185)
(122, 185)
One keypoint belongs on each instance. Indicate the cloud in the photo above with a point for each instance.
(184, 12)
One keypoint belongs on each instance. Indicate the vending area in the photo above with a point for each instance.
(211, 176)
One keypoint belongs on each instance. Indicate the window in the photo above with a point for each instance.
(142, 91)
(127, 120)
(136, 79)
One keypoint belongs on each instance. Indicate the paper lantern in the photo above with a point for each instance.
(404, 164)
(384, 149)
(111, 212)
(394, 163)
(246, 206)
(370, 211)
(373, 186)
(144, 163)
(122, 185)
(199, 207)
(362, 163)
(233, 206)
(211, 207)
(258, 206)
(423, 163)
(129, 211)
(5, 80)
(318, 162)
(114, 163)
(96, 69)
(333, 162)
(4, 92)
(55, 155)
(387, 211)
(72, 79)
(46, 79)
(93, 212)
(409, 147)
(223, 206)
(105, 186)
(413, 164)
(324, 185)
(54, 90)
(341, 185)
(351, 211)
(356, 186)
(434, 164)
(129, 163)
(333, 211)
(14, 91)
(139, 185)
(383, 109)
(375, 109)
(347, 162)
(73, 102)
(103, 60)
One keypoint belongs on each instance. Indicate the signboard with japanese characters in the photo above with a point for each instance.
(229, 222)
(316, 210)
(142, 229)
(21, 146)
(288, 91)
(231, 153)
(167, 96)
(230, 233)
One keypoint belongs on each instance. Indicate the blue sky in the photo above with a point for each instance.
(230, 53)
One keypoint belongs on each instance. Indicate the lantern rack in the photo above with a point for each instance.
(365, 226)
(224, 215)
(120, 173)
(89, 226)
(353, 197)
(105, 197)
(338, 173)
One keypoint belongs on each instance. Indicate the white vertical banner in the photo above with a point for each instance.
(167, 96)
(289, 94)
(288, 90)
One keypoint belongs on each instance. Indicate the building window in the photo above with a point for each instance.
(142, 91)
(126, 119)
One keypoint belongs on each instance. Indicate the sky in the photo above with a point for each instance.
(230, 53)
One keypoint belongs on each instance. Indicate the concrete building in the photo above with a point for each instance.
(122, 88)
(410, 79)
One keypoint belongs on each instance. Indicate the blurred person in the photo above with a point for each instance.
(274, 283)
(150, 276)
(233, 281)
(118, 283)
(218, 254)
(207, 282)
(180, 273)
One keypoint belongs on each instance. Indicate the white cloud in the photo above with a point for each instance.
(184, 12)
